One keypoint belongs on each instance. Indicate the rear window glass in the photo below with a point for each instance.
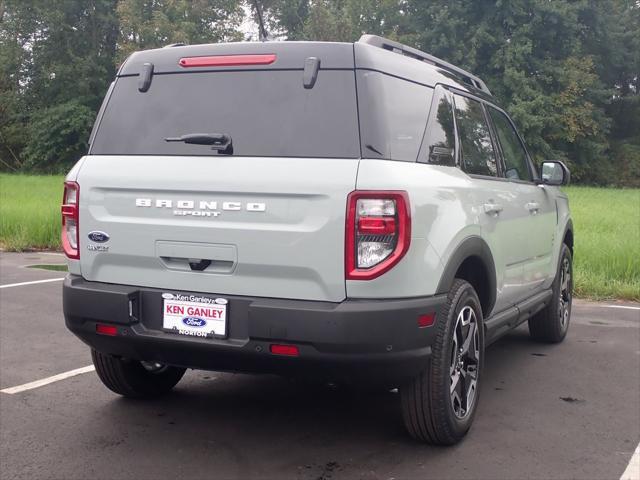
(266, 113)
(393, 115)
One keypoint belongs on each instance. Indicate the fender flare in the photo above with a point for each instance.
(569, 228)
(473, 246)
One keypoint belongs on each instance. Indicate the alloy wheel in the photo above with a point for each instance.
(565, 294)
(465, 359)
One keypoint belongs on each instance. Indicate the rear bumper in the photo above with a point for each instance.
(353, 341)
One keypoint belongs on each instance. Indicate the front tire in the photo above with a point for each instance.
(551, 324)
(438, 406)
(134, 379)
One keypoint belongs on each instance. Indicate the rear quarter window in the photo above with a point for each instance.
(266, 113)
(439, 141)
(393, 115)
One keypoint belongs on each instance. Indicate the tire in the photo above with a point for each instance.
(431, 413)
(134, 379)
(551, 324)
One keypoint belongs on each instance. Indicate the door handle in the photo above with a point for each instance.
(492, 208)
(198, 264)
(533, 207)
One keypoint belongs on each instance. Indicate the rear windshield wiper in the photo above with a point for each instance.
(218, 141)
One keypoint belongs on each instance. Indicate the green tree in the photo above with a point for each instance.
(530, 53)
(14, 23)
(156, 23)
(57, 136)
(333, 20)
(57, 58)
(567, 70)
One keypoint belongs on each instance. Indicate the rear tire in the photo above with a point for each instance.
(438, 405)
(134, 379)
(551, 324)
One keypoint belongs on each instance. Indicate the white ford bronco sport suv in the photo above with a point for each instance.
(351, 212)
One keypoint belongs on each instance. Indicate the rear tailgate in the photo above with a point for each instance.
(270, 227)
(267, 220)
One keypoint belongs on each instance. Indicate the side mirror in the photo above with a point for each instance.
(554, 173)
(441, 155)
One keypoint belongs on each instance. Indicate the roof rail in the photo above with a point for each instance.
(171, 45)
(407, 51)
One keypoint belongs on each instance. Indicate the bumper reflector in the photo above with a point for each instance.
(426, 320)
(287, 350)
(106, 330)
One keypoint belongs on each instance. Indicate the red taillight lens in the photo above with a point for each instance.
(70, 227)
(286, 350)
(228, 60)
(378, 232)
(377, 225)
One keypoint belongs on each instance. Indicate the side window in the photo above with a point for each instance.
(478, 156)
(439, 143)
(393, 115)
(515, 156)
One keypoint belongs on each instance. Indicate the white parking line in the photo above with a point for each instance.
(9, 285)
(626, 307)
(633, 469)
(48, 380)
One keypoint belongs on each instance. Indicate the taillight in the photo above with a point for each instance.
(70, 227)
(228, 60)
(378, 232)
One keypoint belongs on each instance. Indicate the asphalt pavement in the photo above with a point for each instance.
(567, 411)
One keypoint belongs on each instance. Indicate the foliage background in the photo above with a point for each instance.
(567, 70)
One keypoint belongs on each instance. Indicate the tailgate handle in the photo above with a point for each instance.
(197, 257)
(199, 265)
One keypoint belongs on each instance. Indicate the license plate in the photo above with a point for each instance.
(195, 316)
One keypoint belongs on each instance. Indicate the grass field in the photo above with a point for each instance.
(30, 211)
(606, 221)
(607, 242)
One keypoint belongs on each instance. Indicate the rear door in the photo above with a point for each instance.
(265, 219)
(497, 203)
(538, 205)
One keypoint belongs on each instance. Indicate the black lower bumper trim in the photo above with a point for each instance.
(351, 341)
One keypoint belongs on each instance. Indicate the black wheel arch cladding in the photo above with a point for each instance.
(472, 253)
(567, 236)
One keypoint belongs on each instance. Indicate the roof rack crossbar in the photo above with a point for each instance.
(411, 52)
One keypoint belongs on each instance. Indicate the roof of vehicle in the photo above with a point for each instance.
(421, 56)
(368, 53)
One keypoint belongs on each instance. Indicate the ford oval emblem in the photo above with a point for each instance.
(97, 236)
(194, 322)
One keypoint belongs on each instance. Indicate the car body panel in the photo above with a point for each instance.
(294, 248)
